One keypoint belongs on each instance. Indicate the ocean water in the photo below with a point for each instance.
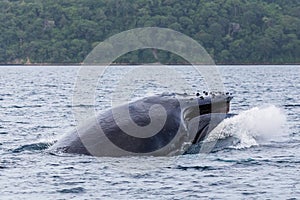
(263, 163)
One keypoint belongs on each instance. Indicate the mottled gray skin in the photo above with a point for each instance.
(189, 119)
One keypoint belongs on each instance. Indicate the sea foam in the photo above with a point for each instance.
(252, 127)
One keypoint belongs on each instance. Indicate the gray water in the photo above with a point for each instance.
(36, 109)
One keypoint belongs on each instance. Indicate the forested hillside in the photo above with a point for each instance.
(232, 31)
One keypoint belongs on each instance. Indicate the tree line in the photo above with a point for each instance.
(232, 31)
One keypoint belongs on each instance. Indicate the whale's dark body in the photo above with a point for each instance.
(184, 121)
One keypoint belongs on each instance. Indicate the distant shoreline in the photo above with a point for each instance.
(151, 64)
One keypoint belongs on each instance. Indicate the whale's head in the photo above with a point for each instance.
(201, 114)
(200, 105)
(198, 113)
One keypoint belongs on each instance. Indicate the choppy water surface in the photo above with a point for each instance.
(36, 108)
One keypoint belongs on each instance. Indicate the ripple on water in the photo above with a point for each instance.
(75, 190)
(198, 168)
(32, 147)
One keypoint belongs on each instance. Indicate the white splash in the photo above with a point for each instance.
(251, 127)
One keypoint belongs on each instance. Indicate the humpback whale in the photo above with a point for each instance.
(161, 125)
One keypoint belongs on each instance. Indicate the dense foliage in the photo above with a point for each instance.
(232, 31)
